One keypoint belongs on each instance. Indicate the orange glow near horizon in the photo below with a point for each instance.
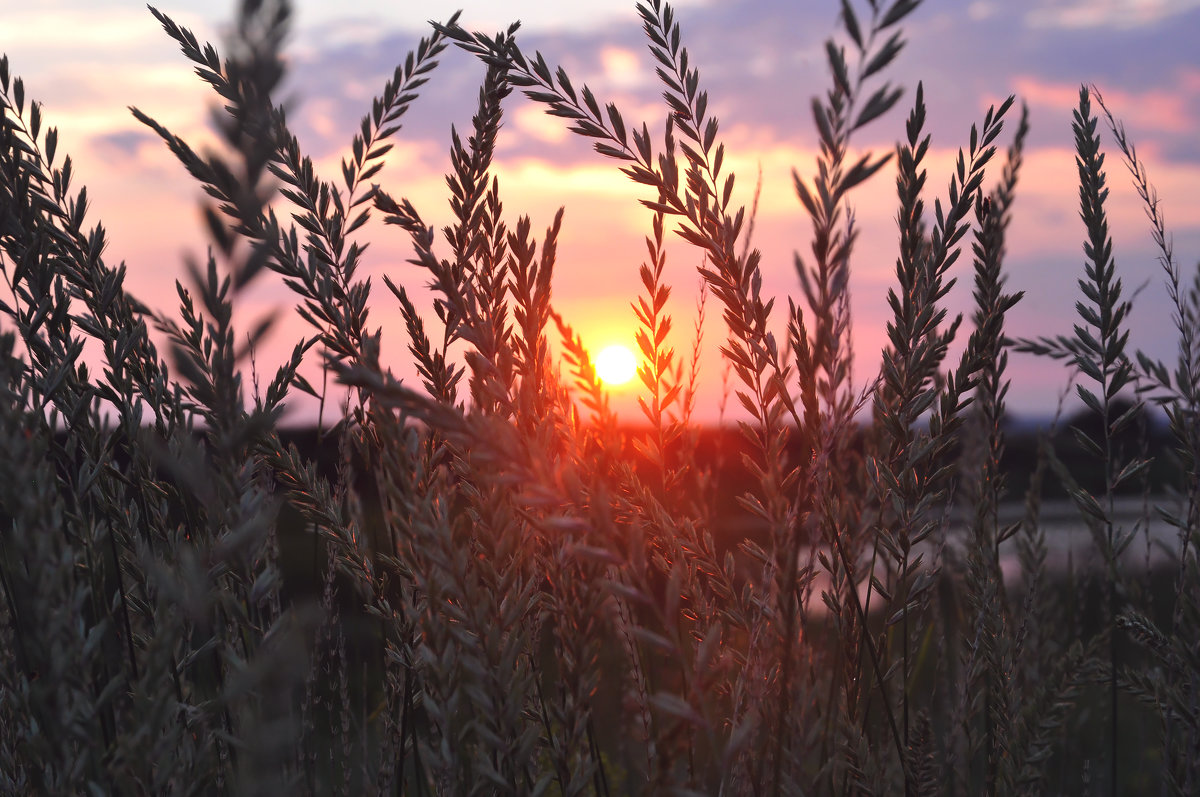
(615, 365)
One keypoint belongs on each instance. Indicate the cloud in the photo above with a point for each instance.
(621, 68)
(1120, 14)
(42, 30)
(1167, 110)
(533, 121)
(982, 9)
(123, 143)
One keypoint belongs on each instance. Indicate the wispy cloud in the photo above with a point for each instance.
(1119, 14)
(1173, 108)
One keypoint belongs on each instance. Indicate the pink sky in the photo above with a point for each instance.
(760, 60)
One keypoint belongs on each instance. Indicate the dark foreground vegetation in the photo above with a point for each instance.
(485, 586)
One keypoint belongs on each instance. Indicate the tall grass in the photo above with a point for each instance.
(495, 587)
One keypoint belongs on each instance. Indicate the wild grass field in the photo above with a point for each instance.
(483, 584)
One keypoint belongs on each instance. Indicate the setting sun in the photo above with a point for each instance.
(615, 365)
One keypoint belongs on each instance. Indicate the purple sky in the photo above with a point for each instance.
(760, 60)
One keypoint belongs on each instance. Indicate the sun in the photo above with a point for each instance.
(615, 365)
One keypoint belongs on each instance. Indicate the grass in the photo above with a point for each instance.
(487, 585)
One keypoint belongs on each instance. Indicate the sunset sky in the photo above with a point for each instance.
(761, 62)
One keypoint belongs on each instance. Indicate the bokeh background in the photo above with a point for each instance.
(761, 62)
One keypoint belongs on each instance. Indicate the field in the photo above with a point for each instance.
(485, 584)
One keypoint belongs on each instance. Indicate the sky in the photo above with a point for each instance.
(761, 62)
